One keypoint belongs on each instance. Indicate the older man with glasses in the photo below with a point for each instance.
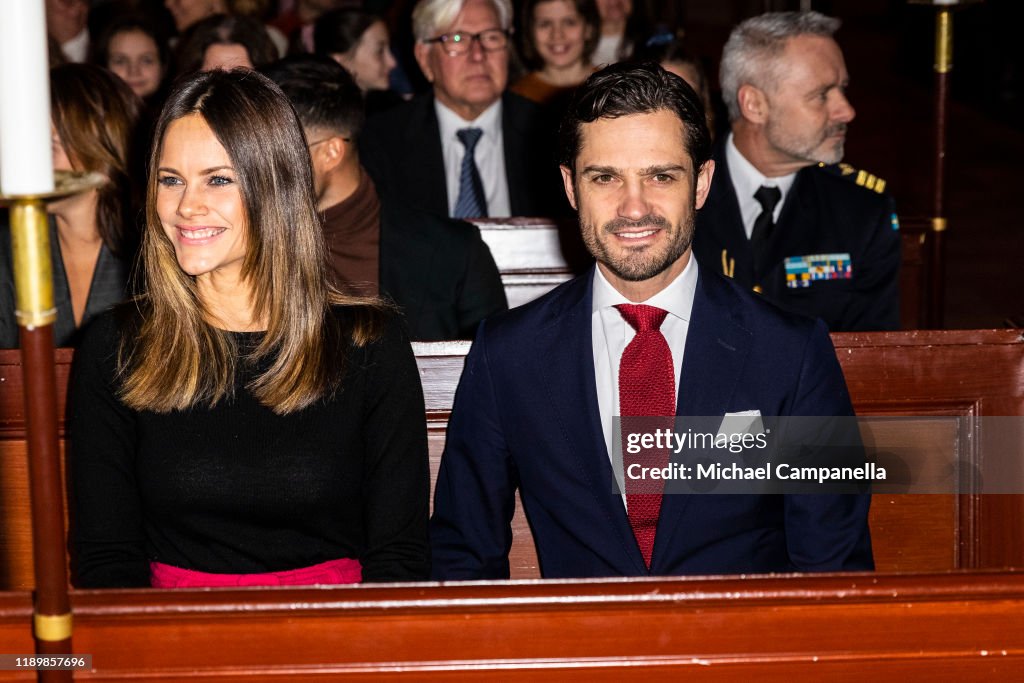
(469, 149)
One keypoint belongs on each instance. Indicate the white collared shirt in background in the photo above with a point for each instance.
(746, 180)
(77, 49)
(489, 156)
(610, 333)
(607, 50)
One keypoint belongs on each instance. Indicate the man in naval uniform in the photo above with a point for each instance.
(783, 217)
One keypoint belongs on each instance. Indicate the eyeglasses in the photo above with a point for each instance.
(455, 44)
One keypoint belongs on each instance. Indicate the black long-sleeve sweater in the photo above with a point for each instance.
(238, 489)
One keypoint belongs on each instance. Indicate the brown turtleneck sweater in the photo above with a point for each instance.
(352, 232)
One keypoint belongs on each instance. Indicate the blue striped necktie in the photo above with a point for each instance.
(471, 202)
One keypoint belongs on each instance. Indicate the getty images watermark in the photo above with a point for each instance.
(748, 453)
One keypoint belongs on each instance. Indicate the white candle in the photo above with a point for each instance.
(26, 162)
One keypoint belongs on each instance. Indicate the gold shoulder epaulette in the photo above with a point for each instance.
(862, 178)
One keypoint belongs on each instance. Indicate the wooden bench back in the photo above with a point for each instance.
(535, 255)
(953, 373)
(889, 629)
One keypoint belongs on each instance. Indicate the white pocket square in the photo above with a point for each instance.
(742, 422)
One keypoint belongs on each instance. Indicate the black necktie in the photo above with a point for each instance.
(768, 198)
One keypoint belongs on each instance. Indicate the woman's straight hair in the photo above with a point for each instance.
(174, 358)
(95, 114)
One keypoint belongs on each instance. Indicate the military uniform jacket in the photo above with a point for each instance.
(834, 253)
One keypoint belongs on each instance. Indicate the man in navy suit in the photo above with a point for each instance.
(535, 405)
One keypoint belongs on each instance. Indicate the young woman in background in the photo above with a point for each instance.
(559, 38)
(359, 42)
(135, 50)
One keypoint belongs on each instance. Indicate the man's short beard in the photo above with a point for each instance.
(812, 153)
(837, 149)
(645, 266)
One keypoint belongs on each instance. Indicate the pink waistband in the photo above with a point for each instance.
(344, 570)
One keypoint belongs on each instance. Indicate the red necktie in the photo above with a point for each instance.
(647, 388)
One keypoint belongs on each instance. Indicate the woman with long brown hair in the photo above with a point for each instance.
(358, 40)
(92, 234)
(241, 423)
(136, 49)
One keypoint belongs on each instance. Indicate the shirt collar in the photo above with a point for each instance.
(676, 298)
(77, 48)
(746, 179)
(450, 123)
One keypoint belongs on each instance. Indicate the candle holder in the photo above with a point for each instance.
(943, 66)
(35, 311)
(30, 245)
(65, 184)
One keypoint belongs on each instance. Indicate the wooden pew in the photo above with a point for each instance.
(883, 628)
(535, 255)
(952, 373)
(15, 506)
(956, 374)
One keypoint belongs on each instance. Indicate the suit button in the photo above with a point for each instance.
(757, 289)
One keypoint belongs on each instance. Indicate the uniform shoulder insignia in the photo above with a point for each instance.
(858, 176)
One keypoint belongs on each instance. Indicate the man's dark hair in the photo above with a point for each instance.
(623, 89)
(322, 92)
(224, 29)
(340, 30)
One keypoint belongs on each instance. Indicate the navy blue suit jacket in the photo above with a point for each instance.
(526, 416)
(401, 148)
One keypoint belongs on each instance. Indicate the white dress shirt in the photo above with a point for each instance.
(77, 49)
(607, 50)
(489, 156)
(746, 180)
(610, 333)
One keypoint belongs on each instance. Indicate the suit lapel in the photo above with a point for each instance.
(406, 261)
(723, 220)
(566, 359)
(516, 162)
(716, 350)
(424, 159)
